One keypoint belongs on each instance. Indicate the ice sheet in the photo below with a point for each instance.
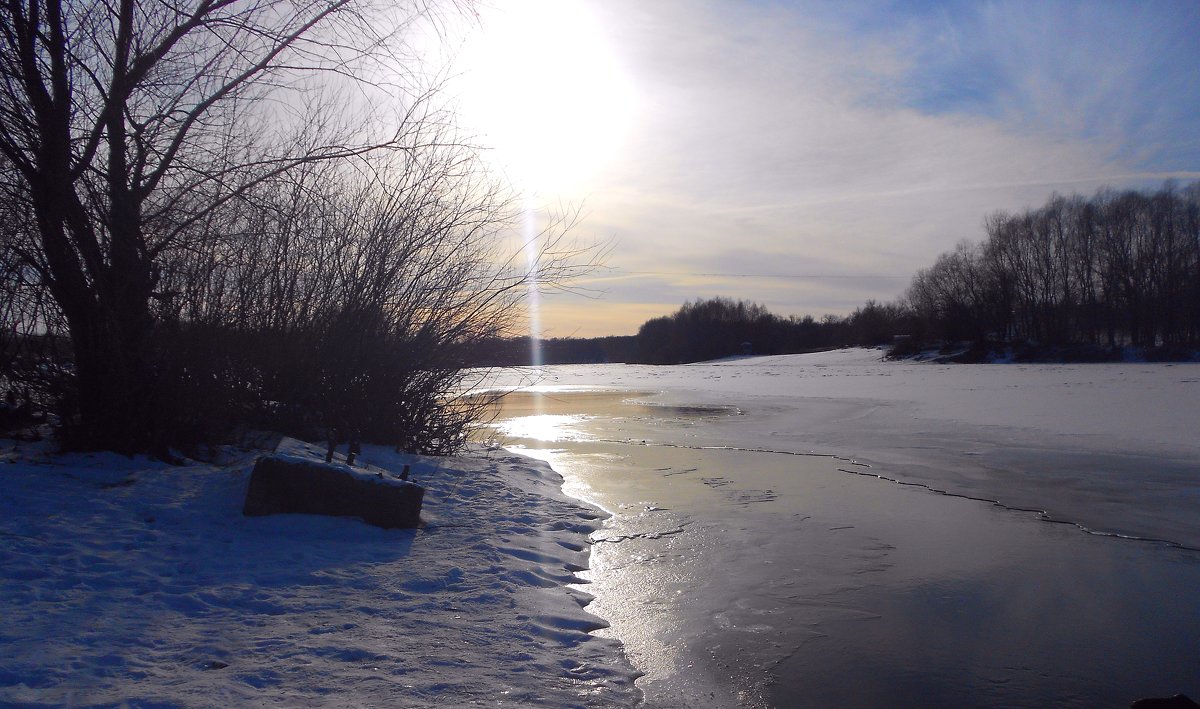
(1113, 447)
(741, 571)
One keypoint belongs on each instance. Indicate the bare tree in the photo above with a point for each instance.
(348, 296)
(129, 126)
(1121, 264)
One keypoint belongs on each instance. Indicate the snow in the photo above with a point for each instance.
(1145, 403)
(363, 472)
(1112, 447)
(128, 581)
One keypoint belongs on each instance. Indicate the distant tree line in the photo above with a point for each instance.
(1076, 278)
(519, 351)
(1120, 268)
(701, 330)
(721, 327)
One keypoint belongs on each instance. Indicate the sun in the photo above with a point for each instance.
(542, 89)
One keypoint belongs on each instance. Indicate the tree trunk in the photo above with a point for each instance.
(115, 384)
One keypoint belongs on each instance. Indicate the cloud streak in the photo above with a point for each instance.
(869, 137)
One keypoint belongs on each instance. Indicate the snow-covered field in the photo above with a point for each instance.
(129, 582)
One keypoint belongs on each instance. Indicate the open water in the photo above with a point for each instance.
(758, 578)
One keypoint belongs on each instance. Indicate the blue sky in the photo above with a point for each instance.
(1111, 72)
(812, 155)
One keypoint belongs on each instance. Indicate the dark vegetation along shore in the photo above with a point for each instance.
(1078, 279)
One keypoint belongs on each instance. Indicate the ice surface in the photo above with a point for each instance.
(1113, 447)
(778, 537)
(124, 581)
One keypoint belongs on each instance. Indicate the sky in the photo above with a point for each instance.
(810, 156)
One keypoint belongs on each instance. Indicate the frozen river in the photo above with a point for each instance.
(756, 558)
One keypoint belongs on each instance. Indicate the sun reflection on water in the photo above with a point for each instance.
(547, 428)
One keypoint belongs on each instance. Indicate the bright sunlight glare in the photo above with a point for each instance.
(547, 428)
(542, 89)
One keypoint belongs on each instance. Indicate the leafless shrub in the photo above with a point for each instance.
(231, 212)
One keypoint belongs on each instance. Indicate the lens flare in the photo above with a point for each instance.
(534, 300)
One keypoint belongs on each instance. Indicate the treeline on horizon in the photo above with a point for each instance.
(700, 330)
(1077, 278)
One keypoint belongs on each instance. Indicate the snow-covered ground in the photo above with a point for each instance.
(130, 582)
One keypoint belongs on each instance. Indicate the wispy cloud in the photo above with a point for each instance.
(865, 138)
(1117, 73)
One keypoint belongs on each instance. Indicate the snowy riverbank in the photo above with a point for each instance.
(132, 582)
